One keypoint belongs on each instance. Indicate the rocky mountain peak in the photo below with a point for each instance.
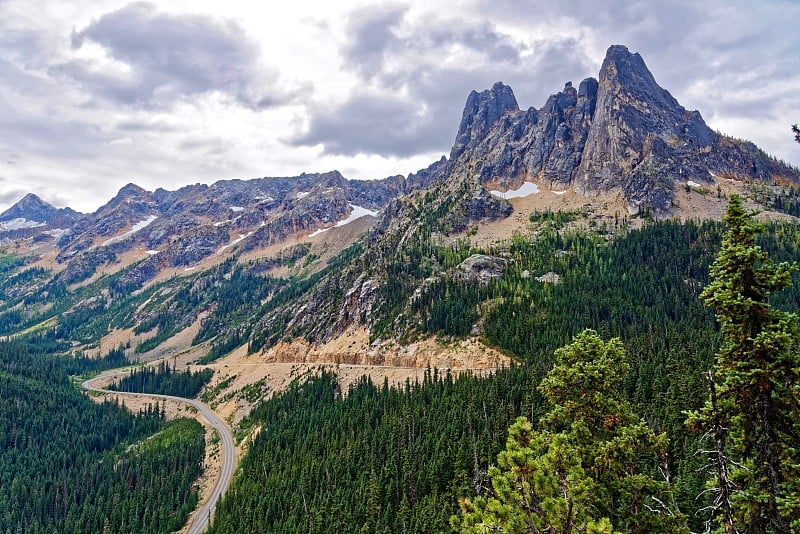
(622, 131)
(30, 207)
(625, 78)
(32, 210)
(639, 132)
(129, 191)
(481, 112)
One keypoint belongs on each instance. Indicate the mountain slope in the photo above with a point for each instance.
(623, 132)
(258, 262)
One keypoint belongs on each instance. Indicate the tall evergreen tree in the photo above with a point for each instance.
(586, 468)
(755, 401)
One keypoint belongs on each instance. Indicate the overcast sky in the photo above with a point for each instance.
(95, 94)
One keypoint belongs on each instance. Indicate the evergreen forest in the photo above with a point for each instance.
(68, 464)
(163, 380)
(400, 459)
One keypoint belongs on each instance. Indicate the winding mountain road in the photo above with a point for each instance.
(203, 515)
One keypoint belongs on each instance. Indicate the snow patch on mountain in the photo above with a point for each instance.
(135, 228)
(526, 189)
(20, 223)
(357, 213)
(241, 238)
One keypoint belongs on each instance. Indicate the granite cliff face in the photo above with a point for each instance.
(480, 114)
(622, 131)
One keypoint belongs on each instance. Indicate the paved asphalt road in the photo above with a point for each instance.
(206, 512)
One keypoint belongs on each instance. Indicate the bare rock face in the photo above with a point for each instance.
(481, 268)
(622, 132)
(481, 112)
(641, 138)
(544, 144)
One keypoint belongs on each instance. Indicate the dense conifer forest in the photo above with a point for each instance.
(68, 464)
(163, 380)
(374, 458)
(382, 459)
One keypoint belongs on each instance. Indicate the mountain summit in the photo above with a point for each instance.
(31, 211)
(481, 113)
(30, 207)
(623, 131)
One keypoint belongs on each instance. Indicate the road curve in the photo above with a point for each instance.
(203, 515)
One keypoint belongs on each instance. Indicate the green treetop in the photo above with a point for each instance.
(755, 402)
(583, 471)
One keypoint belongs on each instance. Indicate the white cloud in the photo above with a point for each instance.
(99, 93)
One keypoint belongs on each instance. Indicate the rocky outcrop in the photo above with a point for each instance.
(622, 132)
(481, 112)
(481, 268)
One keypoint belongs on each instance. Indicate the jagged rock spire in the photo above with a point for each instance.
(622, 132)
(481, 113)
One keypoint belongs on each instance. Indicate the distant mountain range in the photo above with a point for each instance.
(617, 137)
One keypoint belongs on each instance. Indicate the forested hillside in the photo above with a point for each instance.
(163, 380)
(68, 464)
(398, 460)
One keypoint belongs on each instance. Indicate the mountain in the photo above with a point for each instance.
(341, 255)
(33, 212)
(596, 210)
(621, 132)
(178, 229)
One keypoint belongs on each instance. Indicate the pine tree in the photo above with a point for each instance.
(583, 471)
(755, 402)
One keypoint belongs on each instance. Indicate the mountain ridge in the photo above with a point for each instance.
(352, 254)
(622, 131)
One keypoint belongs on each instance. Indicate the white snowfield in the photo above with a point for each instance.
(236, 208)
(135, 228)
(692, 183)
(20, 223)
(56, 233)
(526, 189)
(239, 239)
(357, 213)
(303, 194)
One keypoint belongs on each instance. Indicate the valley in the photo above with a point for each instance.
(357, 351)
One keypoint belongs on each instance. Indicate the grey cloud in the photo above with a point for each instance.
(207, 146)
(171, 56)
(135, 126)
(68, 139)
(372, 35)
(414, 103)
(376, 34)
(8, 198)
(372, 124)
